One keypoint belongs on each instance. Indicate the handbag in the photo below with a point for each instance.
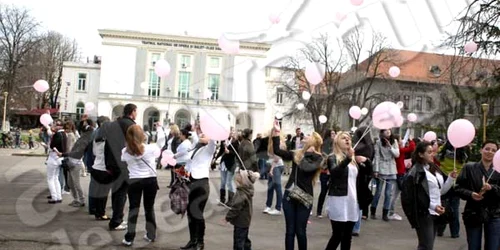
(298, 194)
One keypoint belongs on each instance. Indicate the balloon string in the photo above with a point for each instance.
(455, 160)
(239, 158)
(489, 177)
(367, 131)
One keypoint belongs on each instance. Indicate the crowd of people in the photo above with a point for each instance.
(351, 168)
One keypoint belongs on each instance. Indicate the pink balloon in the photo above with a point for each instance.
(386, 115)
(340, 16)
(399, 121)
(430, 136)
(394, 71)
(46, 119)
(314, 73)
(229, 46)
(162, 68)
(412, 117)
(157, 152)
(355, 112)
(496, 161)
(470, 47)
(41, 86)
(89, 106)
(461, 133)
(215, 125)
(167, 158)
(356, 2)
(274, 18)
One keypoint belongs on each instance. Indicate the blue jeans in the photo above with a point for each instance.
(387, 193)
(454, 204)
(357, 226)
(240, 239)
(262, 168)
(274, 184)
(491, 235)
(296, 216)
(227, 180)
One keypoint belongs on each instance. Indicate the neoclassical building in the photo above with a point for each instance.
(125, 73)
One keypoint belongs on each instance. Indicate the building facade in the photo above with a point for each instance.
(127, 75)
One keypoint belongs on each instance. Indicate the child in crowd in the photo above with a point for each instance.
(240, 213)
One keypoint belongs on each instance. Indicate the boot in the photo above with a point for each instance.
(192, 237)
(222, 196)
(200, 235)
(385, 214)
(372, 212)
(230, 197)
(199, 246)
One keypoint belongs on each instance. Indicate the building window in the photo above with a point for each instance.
(279, 95)
(82, 81)
(471, 109)
(406, 102)
(154, 84)
(185, 61)
(268, 71)
(80, 108)
(184, 82)
(154, 57)
(213, 85)
(428, 104)
(418, 103)
(214, 62)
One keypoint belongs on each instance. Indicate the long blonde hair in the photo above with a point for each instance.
(316, 142)
(339, 154)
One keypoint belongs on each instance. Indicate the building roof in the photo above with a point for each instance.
(426, 67)
(81, 65)
(176, 38)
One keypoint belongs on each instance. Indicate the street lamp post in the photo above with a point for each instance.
(5, 94)
(485, 107)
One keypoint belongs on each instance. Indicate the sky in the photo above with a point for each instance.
(408, 24)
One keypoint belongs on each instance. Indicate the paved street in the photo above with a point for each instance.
(28, 222)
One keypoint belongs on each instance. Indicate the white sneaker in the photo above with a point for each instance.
(395, 217)
(65, 192)
(120, 227)
(267, 210)
(126, 243)
(274, 212)
(146, 238)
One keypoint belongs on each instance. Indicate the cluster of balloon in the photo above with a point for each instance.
(387, 115)
(355, 112)
(41, 86)
(229, 46)
(315, 73)
(461, 133)
(215, 125)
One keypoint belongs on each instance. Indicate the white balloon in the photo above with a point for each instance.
(364, 111)
(162, 68)
(353, 129)
(300, 106)
(306, 95)
(144, 85)
(41, 86)
(315, 73)
(89, 106)
(279, 115)
(322, 119)
(400, 104)
(207, 94)
(394, 71)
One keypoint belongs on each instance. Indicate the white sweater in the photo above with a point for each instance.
(183, 155)
(199, 165)
(138, 165)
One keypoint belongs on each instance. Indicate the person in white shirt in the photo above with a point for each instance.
(421, 195)
(140, 159)
(182, 155)
(198, 169)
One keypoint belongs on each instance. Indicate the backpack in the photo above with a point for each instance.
(179, 194)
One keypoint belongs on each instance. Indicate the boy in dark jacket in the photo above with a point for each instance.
(240, 214)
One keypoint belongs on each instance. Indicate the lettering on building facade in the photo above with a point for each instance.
(181, 45)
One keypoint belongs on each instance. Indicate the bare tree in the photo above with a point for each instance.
(367, 60)
(323, 95)
(18, 36)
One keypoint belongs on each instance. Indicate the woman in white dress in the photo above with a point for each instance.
(342, 202)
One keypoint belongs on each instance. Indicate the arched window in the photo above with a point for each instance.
(80, 108)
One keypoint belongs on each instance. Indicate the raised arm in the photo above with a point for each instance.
(284, 154)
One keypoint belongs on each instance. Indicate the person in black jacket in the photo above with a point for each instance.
(305, 169)
(240, 214)
(421, 195)
(479, 184)
(228, 165)
(343, 208)
(115, 132)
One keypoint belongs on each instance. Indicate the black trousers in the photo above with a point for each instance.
(240, 239)
(101, 187)
(426, 232)
(118, 199)
(199, 190)
(341, 235)
(146, 187)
